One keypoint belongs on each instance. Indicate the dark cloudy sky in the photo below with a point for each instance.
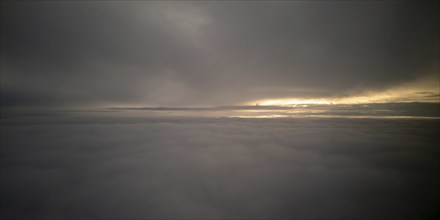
(210, 53)
(136, 110)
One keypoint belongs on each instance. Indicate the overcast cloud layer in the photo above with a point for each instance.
(210, 53)
(97, 167)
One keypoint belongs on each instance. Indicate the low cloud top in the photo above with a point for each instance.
(96, 167)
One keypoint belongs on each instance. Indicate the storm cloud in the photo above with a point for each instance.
(210, 53)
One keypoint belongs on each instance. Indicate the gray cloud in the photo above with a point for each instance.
(426, 110)
(210, 53)
(95, 167)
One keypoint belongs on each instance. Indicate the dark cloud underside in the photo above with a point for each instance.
(209, 53)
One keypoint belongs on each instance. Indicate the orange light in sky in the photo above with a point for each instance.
(421, 91)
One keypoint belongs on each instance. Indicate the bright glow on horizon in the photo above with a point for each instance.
(293, 102)
(421, 91)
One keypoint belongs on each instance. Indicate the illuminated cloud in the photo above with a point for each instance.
(425, 89)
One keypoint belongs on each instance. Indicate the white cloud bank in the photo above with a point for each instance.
(138, 168)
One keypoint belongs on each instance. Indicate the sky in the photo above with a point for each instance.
(193, 53)
(219, 110)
